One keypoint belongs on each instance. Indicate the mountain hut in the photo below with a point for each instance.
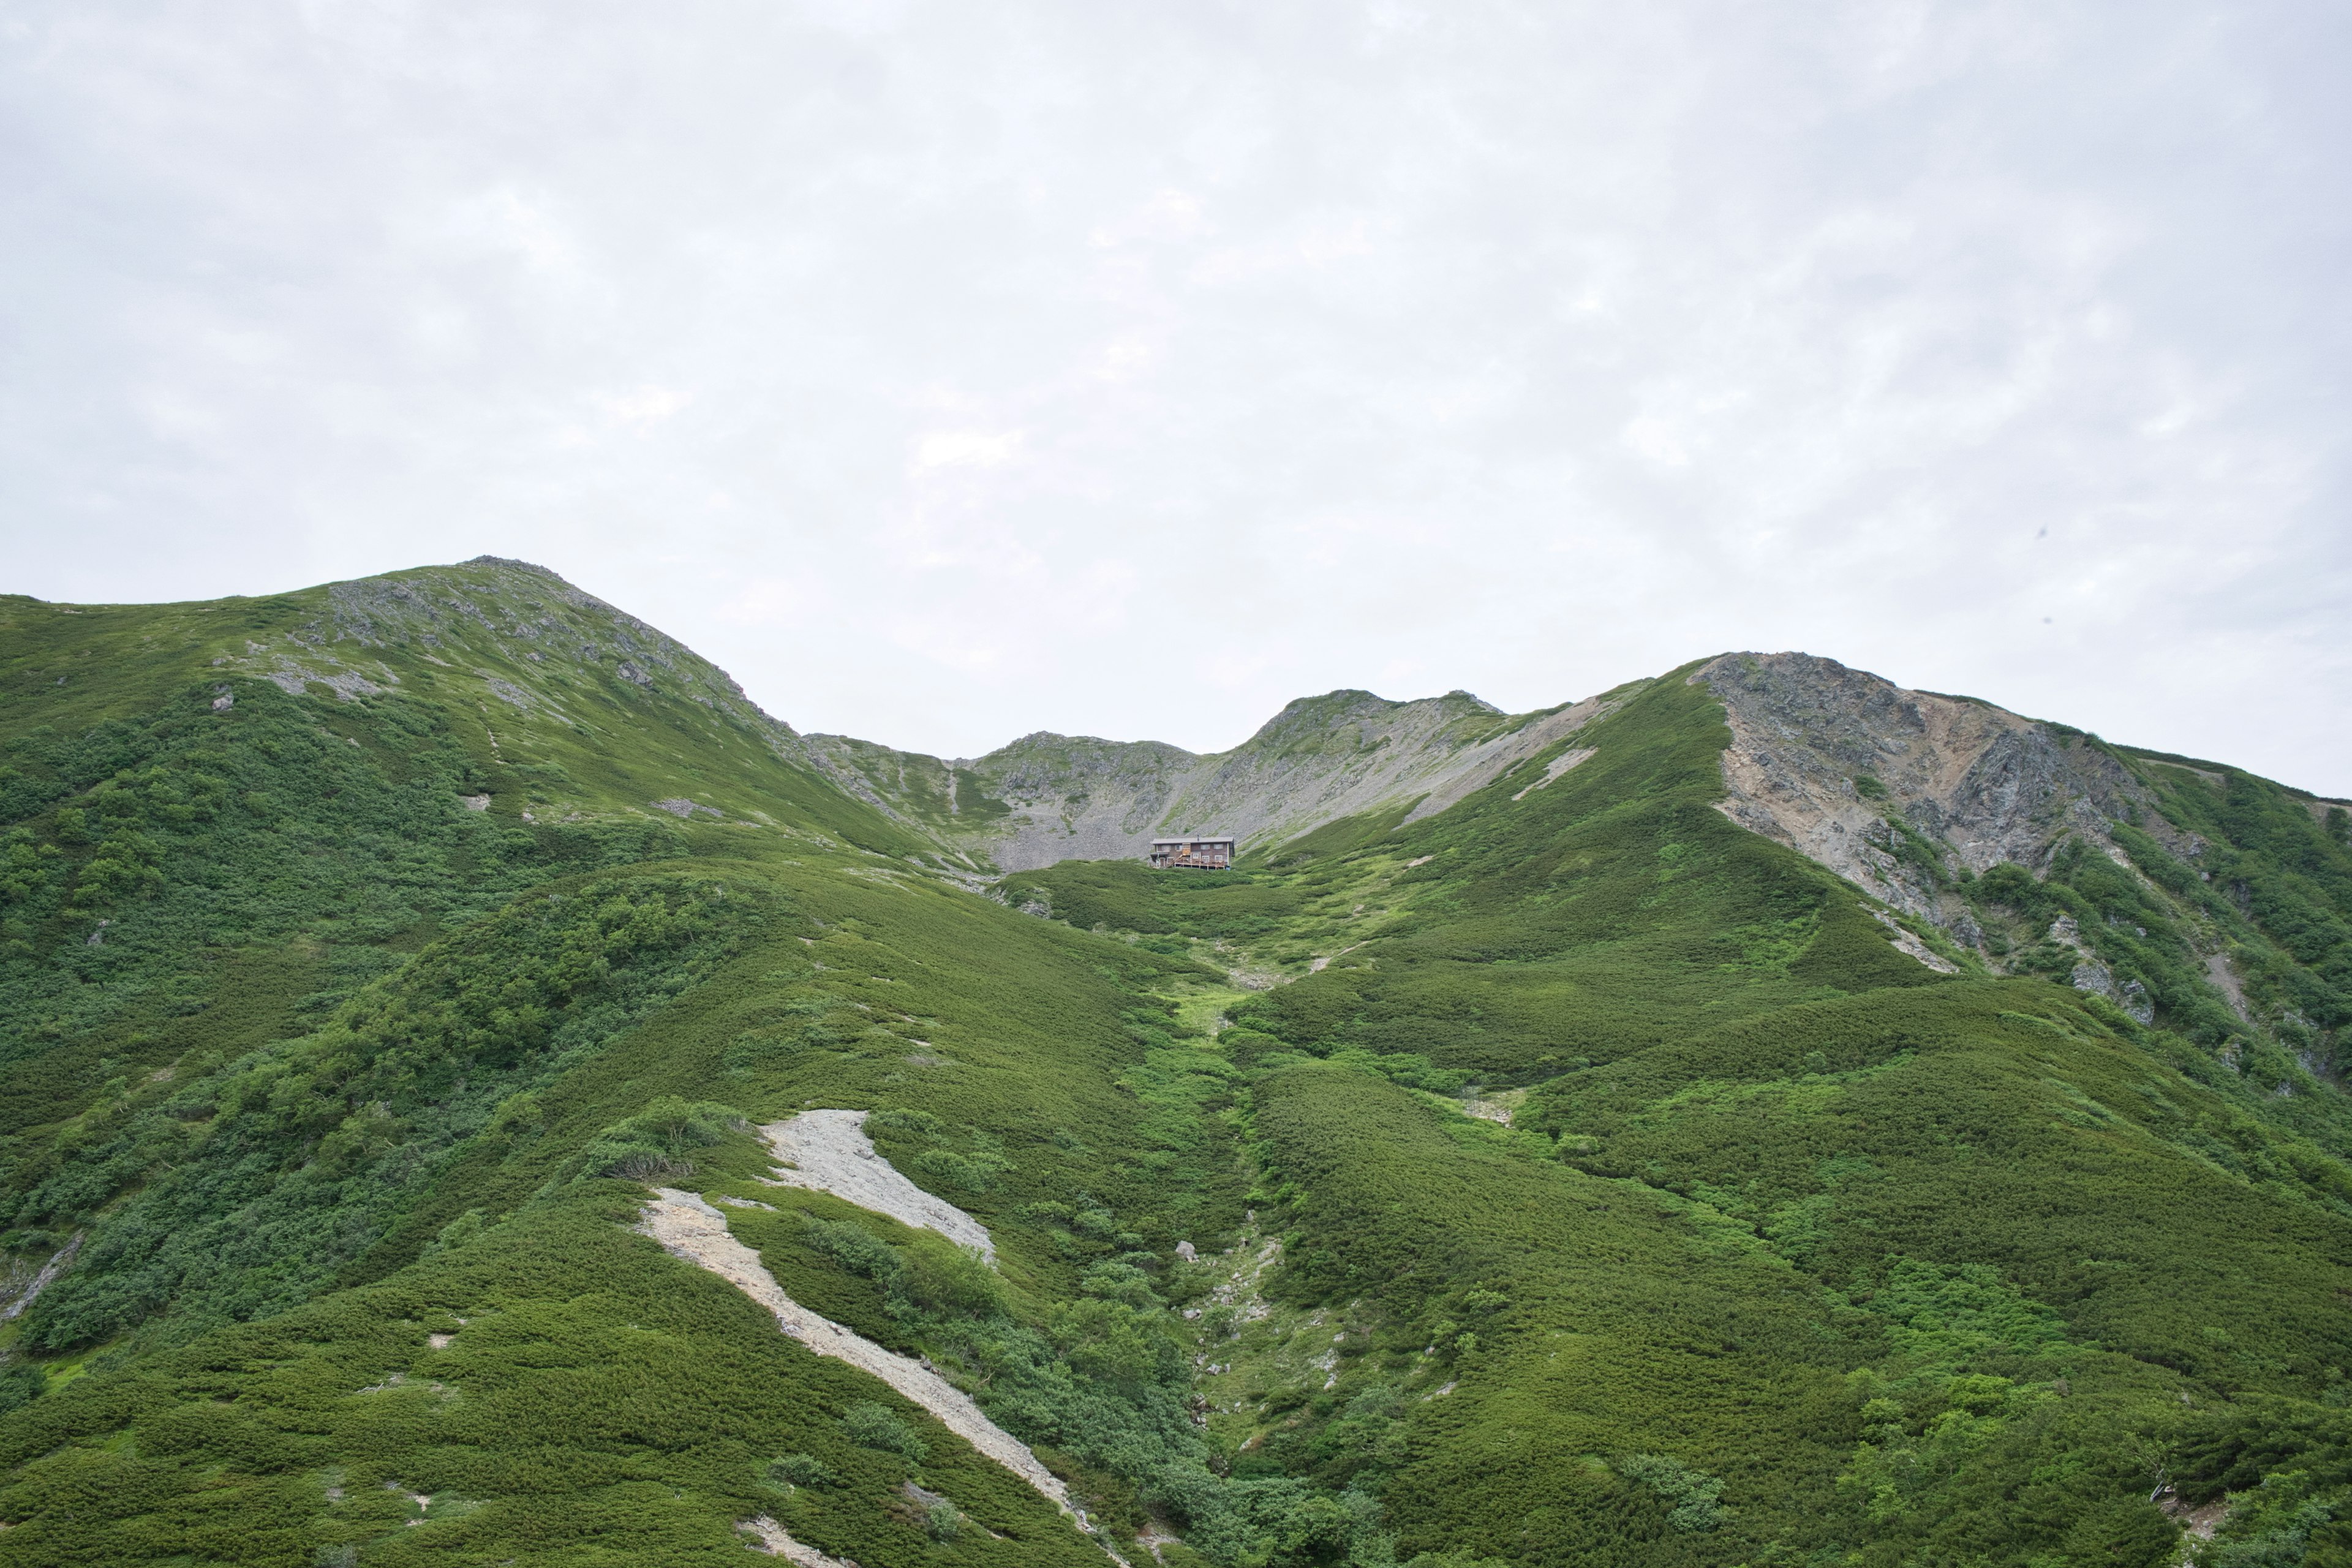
(1199, 852)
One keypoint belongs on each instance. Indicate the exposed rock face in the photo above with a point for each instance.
(1049, 797)
(1975, 784)
(1905, 941)
(2089, 974)
(20, 1287)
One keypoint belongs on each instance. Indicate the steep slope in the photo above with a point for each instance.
(2193, 891)
(1818, 753)
(564, 708)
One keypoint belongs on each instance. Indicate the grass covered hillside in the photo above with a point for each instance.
(1732, 1232)
(1568, 1175)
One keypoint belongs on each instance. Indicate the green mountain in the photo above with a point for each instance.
(478, 1091)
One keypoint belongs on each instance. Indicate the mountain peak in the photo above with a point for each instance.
(518, 565)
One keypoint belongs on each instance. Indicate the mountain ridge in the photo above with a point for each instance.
(1758, 1115)
(1907, 794)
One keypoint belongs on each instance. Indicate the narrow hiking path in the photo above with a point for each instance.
(690, 1229)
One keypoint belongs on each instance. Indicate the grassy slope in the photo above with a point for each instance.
(2015, 1241)
(621, 1404)
(335, 1062)
(1795, 1249)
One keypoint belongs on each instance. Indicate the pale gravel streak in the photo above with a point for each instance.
(829, 1151)
(56, 1266)
(1559, 765)
(690, 1229)
(777, 1543)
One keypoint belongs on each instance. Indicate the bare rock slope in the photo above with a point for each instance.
(1049, 797)
(1876, 782)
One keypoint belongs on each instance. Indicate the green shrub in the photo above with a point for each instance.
(972, 1172)
(458, 1232)
(877, 1426)
(951, 1283)
(20, 1384)
(915, 1124)
(1694, 1498)
(798, 1470)
(855, 1248)
(250, 1184)
(655, 1141)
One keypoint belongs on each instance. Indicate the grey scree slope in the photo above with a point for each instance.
(1048, 798)
(829, 1151)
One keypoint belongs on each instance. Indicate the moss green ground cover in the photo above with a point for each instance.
(343, 1093)
(2020, 1253)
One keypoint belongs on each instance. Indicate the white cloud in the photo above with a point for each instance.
(1165, 215)
(764, 602)
(646, 407)
(1523, 349)
(965, 449)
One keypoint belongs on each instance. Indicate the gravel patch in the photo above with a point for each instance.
(829, 1151)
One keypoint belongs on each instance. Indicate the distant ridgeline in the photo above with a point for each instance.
(1756, 1115)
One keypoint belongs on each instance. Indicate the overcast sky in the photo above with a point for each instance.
(949, 371)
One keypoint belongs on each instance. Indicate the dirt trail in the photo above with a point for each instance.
(829, 1151)
(689, 1229)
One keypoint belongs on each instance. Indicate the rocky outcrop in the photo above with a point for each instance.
(21, 1287)
(1884, 785)
(2092, 976)
(777, 1541)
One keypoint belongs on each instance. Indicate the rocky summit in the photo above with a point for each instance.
(475, 1088)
